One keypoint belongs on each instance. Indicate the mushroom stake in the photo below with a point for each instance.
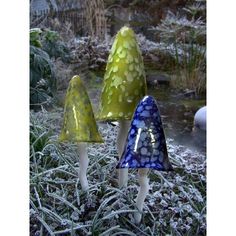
(124, 85)
(145, 147)
(79, 125)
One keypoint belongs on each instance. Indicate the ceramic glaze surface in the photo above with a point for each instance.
(79, 124)
(124, 80)
(146, 144)
(200, 118)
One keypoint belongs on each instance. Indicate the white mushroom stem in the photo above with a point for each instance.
(121, 138)
(143, 191)
(83, 165)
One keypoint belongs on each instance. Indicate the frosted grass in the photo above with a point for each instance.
(175, 204)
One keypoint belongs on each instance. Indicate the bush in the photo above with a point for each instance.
(52, 44)
(42, 77)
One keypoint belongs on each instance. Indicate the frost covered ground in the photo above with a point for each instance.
(175, 205)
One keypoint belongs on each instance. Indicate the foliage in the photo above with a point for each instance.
(196, 9)
(42, 77)
(38, 138)
(51, 42)
(175, 205)
(35, 37)
(54, 46)
(188, 39)
(45, 46)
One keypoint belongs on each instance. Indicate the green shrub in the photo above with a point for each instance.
(42, 77)
(45, 46)
(52, 44)
(35, 37)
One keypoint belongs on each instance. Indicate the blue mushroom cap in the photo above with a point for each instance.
(146, 145)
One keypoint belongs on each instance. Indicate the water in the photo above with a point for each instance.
(177, 113)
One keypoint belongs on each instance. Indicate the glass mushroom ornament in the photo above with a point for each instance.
(145, 147)
(124, 85)
(79, 125)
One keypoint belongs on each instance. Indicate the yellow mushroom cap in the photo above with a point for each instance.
(124, 80)
(79, 124)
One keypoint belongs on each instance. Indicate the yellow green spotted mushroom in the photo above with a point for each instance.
(79, 125)
(124, 80)
(124, 86)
